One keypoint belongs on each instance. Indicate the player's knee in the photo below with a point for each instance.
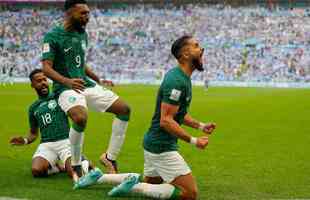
(194, 194)
(191, 194)
(125, 114)
(80, 120)
(126, 110)
(38, 172)
(78, 116)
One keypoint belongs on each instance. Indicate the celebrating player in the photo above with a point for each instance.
(167, 176)
(64, 49)
(46, 115)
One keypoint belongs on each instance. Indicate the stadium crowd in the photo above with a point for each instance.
(241, 44)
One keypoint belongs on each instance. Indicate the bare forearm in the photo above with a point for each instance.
(31, 138)
(33, 134)
(191, 122)
(92, 75)
(175, 129)
(52, 74)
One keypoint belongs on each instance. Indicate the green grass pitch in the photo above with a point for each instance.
(260, 150)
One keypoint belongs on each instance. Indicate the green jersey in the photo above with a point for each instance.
(67, 51)
(46, 114)
(176, 89)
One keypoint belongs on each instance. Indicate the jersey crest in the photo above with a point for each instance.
(52, 104)
(72, 99)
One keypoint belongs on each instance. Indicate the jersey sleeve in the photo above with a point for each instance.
(48, 48)
(32, 120)
(172, 92)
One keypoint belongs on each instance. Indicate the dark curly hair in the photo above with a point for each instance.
(178, 45)
(70, 3)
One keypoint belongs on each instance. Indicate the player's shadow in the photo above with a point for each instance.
(105, 188)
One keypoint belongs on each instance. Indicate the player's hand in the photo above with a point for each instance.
(202, 142)
(17, 141)
(208, 128)
(75, 84)
(107, 83)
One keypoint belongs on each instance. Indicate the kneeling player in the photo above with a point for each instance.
(167, 175)
(46, 115)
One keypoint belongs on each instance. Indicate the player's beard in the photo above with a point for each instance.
(41, 93)
(78, 25)
(197, 64)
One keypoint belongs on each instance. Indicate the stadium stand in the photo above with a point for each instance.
(249, 44)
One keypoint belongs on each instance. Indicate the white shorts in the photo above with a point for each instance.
(98, 98)
(167, 165)
(54, 151)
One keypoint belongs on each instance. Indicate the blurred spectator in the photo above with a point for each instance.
(243, 44)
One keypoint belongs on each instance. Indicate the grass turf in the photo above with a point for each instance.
(260, 149)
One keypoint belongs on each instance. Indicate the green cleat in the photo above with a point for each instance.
(88, 179)
(125, 186)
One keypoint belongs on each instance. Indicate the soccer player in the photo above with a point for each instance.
(167, 176)
(46, 115)
(64, 49)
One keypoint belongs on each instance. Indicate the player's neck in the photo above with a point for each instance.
(41, 96)
(68, 26)
(186, 68)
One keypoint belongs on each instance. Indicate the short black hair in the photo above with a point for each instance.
(34, 72)
(178, 45)
(70, 3)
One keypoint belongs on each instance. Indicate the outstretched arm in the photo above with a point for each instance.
(32, 136)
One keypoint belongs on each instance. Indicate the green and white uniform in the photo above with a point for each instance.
(46, 114)
(161, 156)
(67, 50)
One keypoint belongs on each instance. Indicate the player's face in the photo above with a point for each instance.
(40, 84)
(80, 16)
(194, 53)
